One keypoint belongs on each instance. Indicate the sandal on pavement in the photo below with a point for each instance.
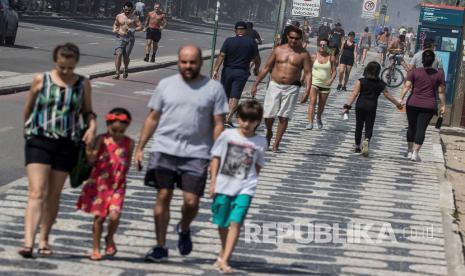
(26, 252)
(110, 250)
(225, 269)
(125, 74)
(217, 263)
(95, 256)
(45, 251)
(116, 77)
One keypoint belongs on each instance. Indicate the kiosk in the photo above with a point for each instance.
(444, 24)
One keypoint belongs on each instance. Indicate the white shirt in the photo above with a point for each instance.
(239, 155)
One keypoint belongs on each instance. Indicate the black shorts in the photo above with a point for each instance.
(234, 81)
(153, 34)
(347, 60)
(167, 171)
(61, 154)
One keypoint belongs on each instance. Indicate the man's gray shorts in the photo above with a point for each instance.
(167, 171)
(124, 45)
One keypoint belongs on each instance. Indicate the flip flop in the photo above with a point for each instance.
(217, 263)
(26, 252)
(110, 250)
(116, 77)
(45, 251)
(95, 256)
(125, 74)
(225, 269)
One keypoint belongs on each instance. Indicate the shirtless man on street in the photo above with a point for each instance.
(155, 23)
(285, 65)
(125, 26)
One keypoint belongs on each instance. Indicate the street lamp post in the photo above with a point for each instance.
(215, 33)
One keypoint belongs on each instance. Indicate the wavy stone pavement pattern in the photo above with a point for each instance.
(316, 179)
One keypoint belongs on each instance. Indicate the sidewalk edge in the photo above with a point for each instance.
(103, 73)
(452, 240)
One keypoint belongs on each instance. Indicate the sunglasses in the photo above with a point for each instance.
(323, 45)
(294, 37)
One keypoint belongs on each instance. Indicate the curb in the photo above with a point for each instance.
(21, 87)
(452, 239)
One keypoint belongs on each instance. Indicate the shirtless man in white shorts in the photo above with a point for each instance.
(285, 63)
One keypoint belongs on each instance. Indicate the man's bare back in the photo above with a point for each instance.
(288, 64)
(123, 23)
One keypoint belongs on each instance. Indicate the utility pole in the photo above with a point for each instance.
(280, 21)
(457, 111)
(215, 33)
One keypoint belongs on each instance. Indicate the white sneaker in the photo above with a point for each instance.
(365, 149)
(416, 157)
(408, 155)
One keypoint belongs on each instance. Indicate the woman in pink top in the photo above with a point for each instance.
(424, 83)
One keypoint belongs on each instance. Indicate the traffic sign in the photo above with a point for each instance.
(369, 9)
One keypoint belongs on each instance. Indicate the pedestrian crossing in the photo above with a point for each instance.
(315, 180)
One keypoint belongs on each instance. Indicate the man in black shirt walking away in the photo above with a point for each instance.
(237, 52)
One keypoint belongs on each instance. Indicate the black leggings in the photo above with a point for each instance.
(418, 121)
(367, 118)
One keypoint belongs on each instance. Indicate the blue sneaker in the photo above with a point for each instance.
(184, 242)
(157, 254)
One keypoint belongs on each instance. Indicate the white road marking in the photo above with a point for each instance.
(93, 43)
(5, 129)
(8, 74)
(101, 84)
(143, 93)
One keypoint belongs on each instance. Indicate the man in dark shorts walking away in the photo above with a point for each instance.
(155, 23)
(180, 152)
(336, 39)
(237, 52)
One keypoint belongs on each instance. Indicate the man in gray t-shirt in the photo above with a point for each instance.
(187, 115)
(416, 61)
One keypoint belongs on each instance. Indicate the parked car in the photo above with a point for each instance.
(8, 22)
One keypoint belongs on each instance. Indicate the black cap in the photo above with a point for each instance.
(240, 25)
(338, 24)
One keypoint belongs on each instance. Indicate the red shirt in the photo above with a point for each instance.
(425, 87)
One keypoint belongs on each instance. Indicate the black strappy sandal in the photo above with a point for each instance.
(26, 252)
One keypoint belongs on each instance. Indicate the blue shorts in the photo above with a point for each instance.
(227, 209)
(234, 81)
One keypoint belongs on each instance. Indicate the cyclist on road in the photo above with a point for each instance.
(396, 51)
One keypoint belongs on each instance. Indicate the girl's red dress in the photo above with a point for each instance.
(104, 191)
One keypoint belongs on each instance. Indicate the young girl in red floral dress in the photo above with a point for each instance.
(103, 193)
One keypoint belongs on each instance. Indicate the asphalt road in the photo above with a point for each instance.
(37, 38)
(132, 94)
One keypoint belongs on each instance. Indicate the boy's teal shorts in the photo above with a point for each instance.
(227, 209)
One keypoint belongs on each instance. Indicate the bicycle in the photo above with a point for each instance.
(393, 76)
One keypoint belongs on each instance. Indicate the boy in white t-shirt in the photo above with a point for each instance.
(238, 155)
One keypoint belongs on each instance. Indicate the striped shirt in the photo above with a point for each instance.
(57, 110)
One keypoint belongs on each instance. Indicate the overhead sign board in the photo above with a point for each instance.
(310, 8)
(369, 9)
(442, 15)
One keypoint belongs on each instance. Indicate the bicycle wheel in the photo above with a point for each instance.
(393, 77)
